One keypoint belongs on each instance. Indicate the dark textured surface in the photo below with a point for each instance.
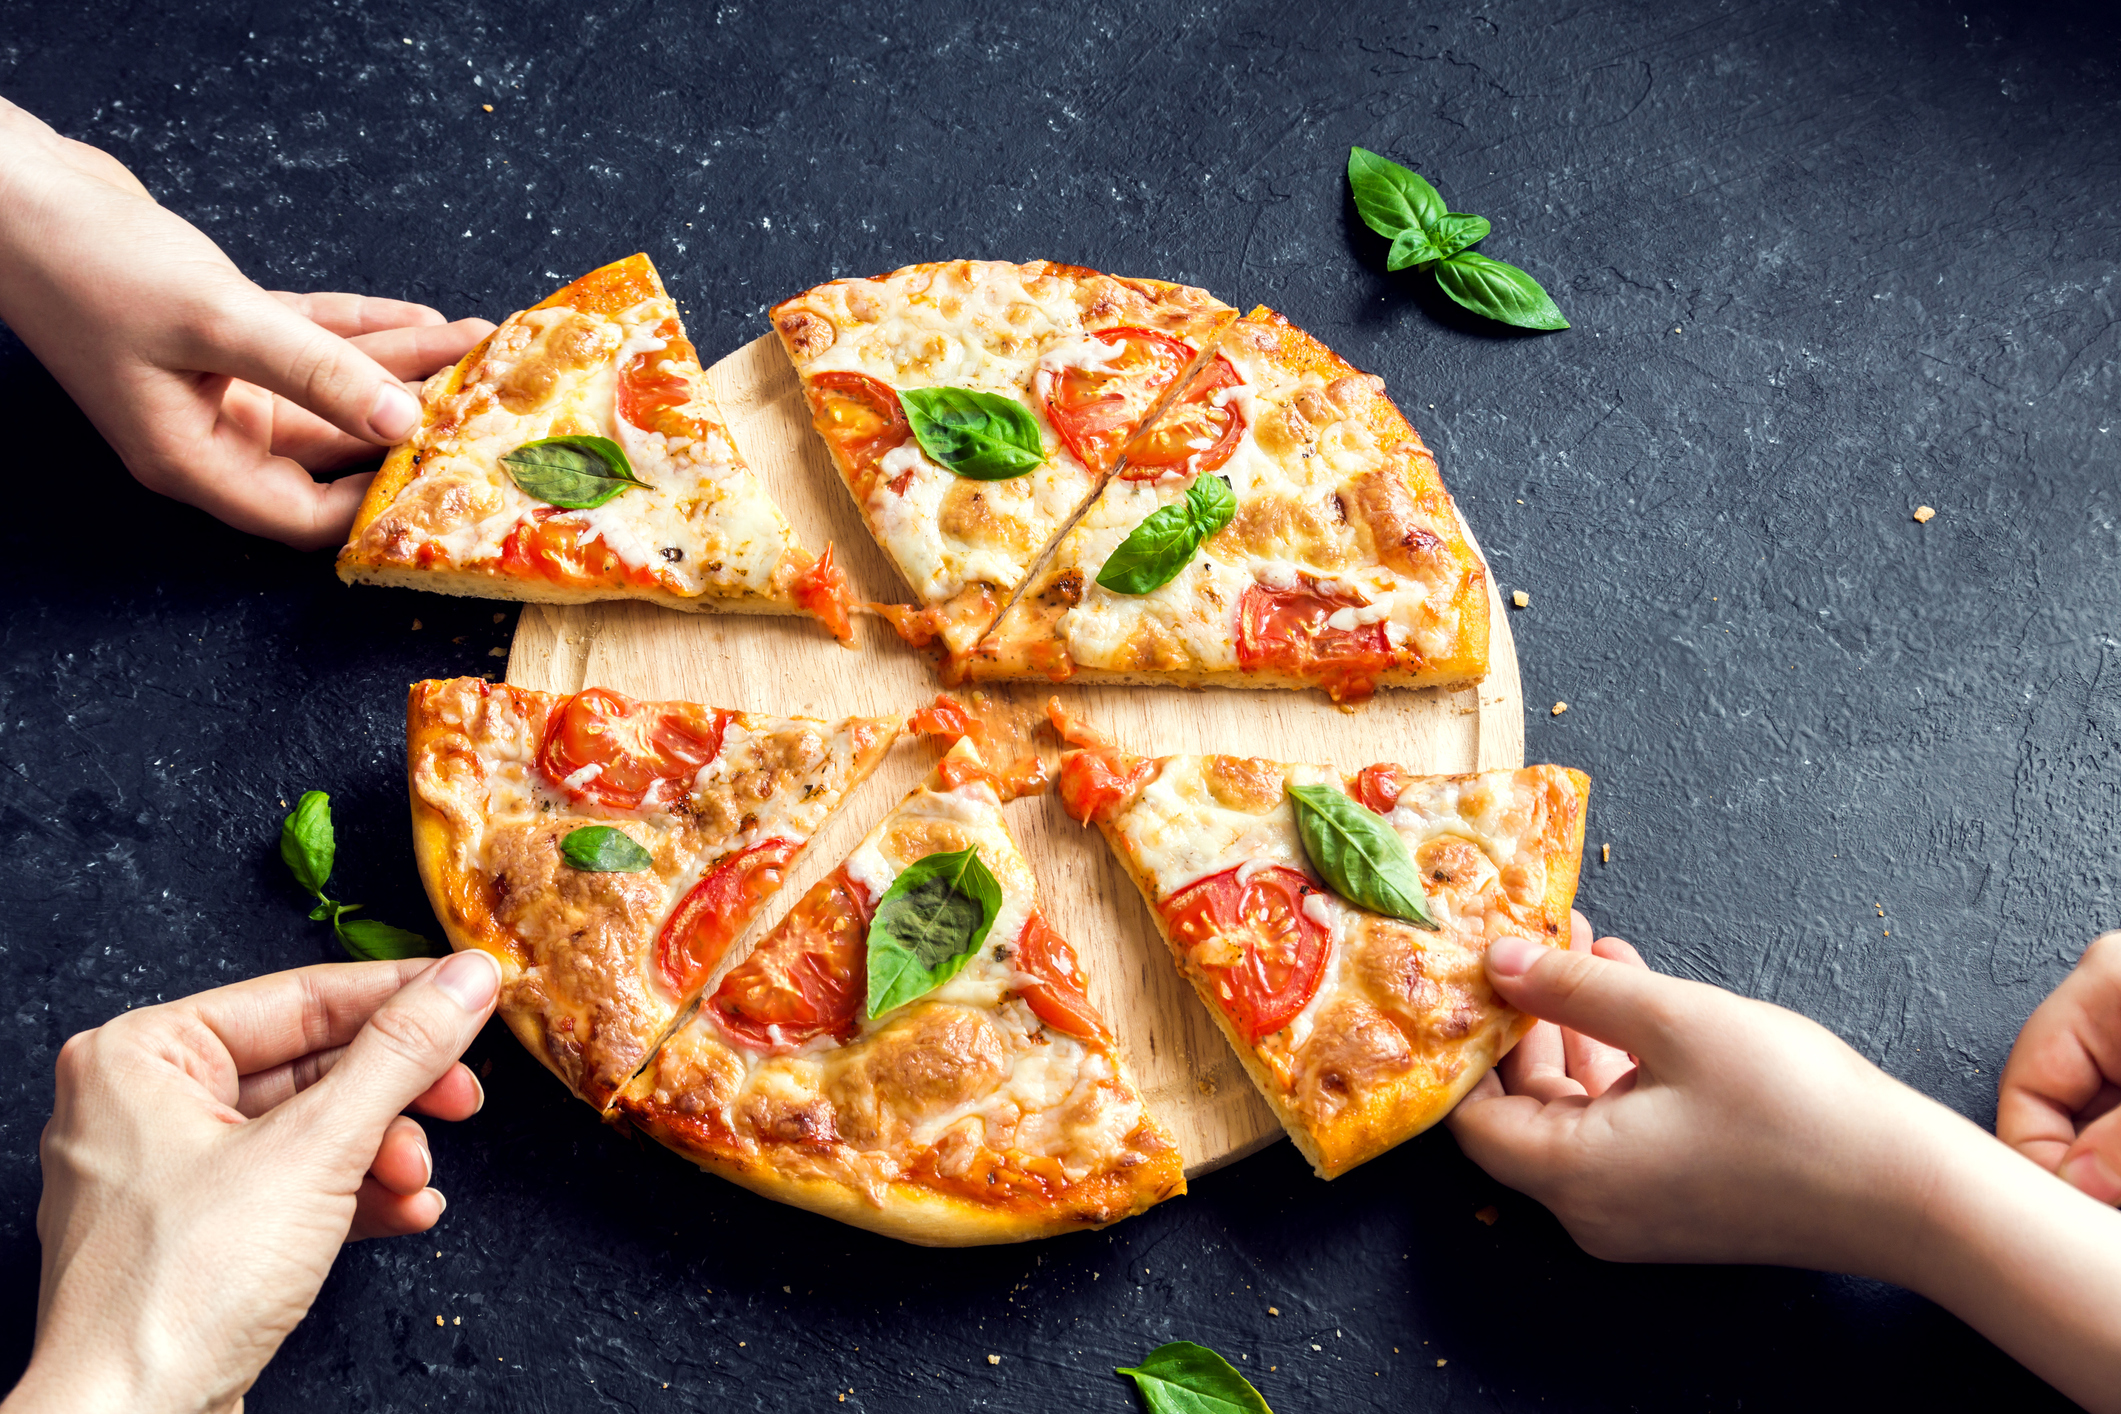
(1825, 262)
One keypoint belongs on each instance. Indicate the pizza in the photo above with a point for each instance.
(1360, 1029)
(1329, 555)
(963, 493)
(982, 1101)
(608, 852)
(577, 454)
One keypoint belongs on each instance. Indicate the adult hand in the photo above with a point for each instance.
(212, 390)
(2060, 1089)
(206, 1159)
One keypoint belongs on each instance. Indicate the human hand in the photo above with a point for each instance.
(2062, 1084)
(212, 390)
(206, 1158)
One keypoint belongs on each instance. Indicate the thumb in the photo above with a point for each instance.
(1623, 1005)
(408, 1044)
(261, 340)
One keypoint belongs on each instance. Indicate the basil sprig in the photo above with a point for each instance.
(1163, 544)
(573, 473)
(309, 847)
(928, 924)
(1184, 1378)
(603, 849)
(980, 436)
(1408, 212)
(1360, 857)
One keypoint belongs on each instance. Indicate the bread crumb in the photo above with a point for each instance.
(497, 652)
(1441, 1363)
(438, 1320)
(489, 108)
(1559, 708)
(498, 617)
(456, 1320)
(415, 625)
(1605, 854)
(1488, 1214)
(1316, 1346)
(994, 1359)
(1923, 514)
(1274, 1310)
(1521, 599)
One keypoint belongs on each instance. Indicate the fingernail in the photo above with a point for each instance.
(427, 1156)
(477, 1089)
(2089, 1173)
(470, 979)
(395, 414)
(442, 1198)
(1512, 956)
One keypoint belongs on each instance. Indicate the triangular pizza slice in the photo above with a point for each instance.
(577, 454)
(608, 851)
(1335, 926)
(973, 406)
(911, 1050)
(1281, 525)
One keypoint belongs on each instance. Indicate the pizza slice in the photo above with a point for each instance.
(1281, 525)
(912, 1051)
(577, 454)
(608, 852)
(972, 407)
(1335, 927)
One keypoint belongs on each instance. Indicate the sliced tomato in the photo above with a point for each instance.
(1262, 954)
(946, 717)
(823, 592)
(1286, 631)
(1094, 779)
(1057, 995)
(638, 750)
(1096, 409)
(1380, 786)
(716, 910)
(808, 978)
(649, 397)
(860, 419)
(545, 548)
(1193, 435)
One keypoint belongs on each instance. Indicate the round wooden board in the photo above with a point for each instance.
(789, 666)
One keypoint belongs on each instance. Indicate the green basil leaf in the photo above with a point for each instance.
(371, 941)
(1457, 230)
(981, 436)
(1163, 544)
(601, 849)
(573, 473)
(1412, 247)
(326, 908)
(1360, 857)
(1391, 198)
(307, 843)
(1501, 292)
(1184, 1378)
(927, 925)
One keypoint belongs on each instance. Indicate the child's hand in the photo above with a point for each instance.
(2062, 1083)
(210, 389)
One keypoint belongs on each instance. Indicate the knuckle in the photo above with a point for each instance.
(411, 1032)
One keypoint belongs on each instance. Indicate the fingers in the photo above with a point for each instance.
(347, 315)
(414, 352)
(2067, 1053)
(409, 1043)
(270, 496)
(1516, 1138)
(404, 1164)
(457, 1095)
(1592, 1064)
(378, 1212)
(261, 340)
(1627, 1007)
(2093, 1163)
(272, 1020)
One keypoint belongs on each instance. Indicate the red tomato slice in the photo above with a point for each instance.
(1285, 631)
(859, 418)
(1057, 996)
(639, 752)
(648, 397)
(824, 592)
(1095, 778)
(808, 978)
(1095, 410)
(1194, 435)
(1276, 953)
(1379, 786)
(716, 910)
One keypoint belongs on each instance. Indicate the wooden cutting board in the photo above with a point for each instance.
(791, 666)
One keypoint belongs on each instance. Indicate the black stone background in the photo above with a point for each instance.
(1825, 262)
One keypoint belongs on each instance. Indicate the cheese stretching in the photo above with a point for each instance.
(1088, 356)
(597, 962)
(994, 1108)
(605, 357)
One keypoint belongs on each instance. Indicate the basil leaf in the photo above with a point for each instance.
(1163, 544)
(981, 436)
(601, 849)
(1456, 231)
(307, 843)
(1360, 857)
(1412, 247)
(927, 925)
(1391, 198)
(1184, 1378)
(371, 941)
(1501, 292)
(573, 473)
